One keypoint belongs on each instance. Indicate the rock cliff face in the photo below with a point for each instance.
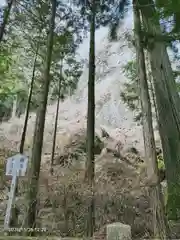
(64, 197)
(110, 111)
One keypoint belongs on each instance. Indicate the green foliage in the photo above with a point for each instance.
(161, 168)
(171, 11)
(27, 27)
(64, 54)
(8, 83)
(118, 15)
(161, 165)
(130, 94)
(108, 13)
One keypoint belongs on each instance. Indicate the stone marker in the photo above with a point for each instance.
(118, 231)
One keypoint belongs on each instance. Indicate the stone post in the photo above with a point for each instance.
(118, 231)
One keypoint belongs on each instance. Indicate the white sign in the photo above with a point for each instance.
(10, 201)
(17, 164)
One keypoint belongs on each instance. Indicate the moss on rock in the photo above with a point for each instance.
(161, 165)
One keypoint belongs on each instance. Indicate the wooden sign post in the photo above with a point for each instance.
(16, 166)
(10, 201)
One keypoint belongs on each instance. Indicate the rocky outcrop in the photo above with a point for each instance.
(75, 148)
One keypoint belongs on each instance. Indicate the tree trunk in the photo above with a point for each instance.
(168, 104)
(56, 120)
(39, 127)
(5, 18)
(160, 230)
(14, 108)
(28, 103)
(66, 214)
(152, 91)
(155, 120)
(91, 124)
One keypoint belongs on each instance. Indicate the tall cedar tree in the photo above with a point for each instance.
(28, 103)
(91, 122)
(168, 105)
(15, 210)
(39, 127)
(102, 18)
(160, 223)
(56, 118)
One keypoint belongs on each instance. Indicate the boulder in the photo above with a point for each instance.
(118, 231)
(104, 133)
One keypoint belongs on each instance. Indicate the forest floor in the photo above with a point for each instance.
(120, 193)
(35, 238)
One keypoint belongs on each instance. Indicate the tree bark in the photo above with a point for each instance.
(168, 104)
(91, 124)
(56, 119)
(14, 108)
(5, 18)
(160, 227)
(28, 103)
(152, 91)
(39, 127)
